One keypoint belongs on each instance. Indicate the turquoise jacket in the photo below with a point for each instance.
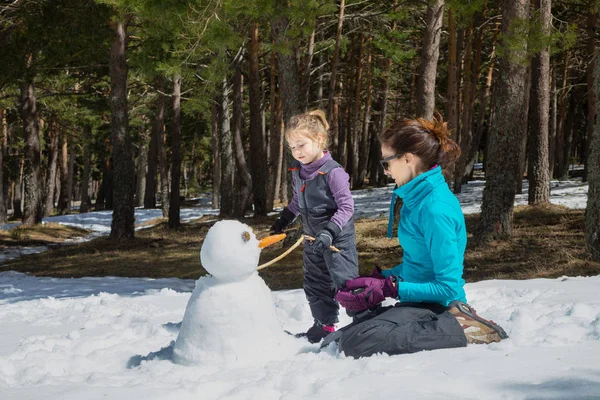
(433, 236)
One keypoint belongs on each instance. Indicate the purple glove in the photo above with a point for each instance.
(365, 292)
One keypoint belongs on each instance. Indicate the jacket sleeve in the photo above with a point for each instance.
(339, 184)
(293, 205)
(440, 233)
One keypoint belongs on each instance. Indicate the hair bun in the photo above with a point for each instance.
(438, 128)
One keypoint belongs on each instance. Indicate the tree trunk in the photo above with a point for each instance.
(289, 80)
(365, 140)
(4, 133)
(466, 133)
(71, 174)
(18, 189)
(592, 22)
(553, 123)
(332, 106)
(502, 164)
(562, 164)
(452, 92)
(175, 204)
(258, 154)
(63, 197)
(354, 124)
(275, 139)
(570, 130)
(86, 203)
(310, 49)
(215, 145)
(377, 177)
(157, 128)
(53, 136)
(429, 59)
(243, 190)
(539, 180)
(33, 210)
(105, 193)
(226, 153)
(141, 170)
(163, 166)
(592, 212)
(524, 150)
(483, 103)
(123, 219)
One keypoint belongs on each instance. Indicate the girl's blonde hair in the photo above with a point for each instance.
(310, 125)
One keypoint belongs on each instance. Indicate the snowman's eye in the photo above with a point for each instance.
(245, 236)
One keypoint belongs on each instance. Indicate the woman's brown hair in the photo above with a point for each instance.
(429, 140)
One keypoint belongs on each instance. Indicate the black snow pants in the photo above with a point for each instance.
(403, 328)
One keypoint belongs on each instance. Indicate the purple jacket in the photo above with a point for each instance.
(339, 183)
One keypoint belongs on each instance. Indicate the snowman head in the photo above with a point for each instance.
(230, 251)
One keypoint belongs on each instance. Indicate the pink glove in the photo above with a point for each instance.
(366, 292)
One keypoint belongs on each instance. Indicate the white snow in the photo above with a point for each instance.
(113, 338)
(231, 316)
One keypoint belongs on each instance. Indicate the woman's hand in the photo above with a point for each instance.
(366, 292)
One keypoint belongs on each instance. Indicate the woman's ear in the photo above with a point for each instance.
(409, 158)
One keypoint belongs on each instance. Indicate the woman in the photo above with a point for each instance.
(432, 312)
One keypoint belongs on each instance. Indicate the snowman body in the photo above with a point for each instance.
(230, 316)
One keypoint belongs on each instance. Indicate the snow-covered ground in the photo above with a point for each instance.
(112, 338)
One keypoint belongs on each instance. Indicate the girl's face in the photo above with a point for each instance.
(305, 149)
(402, 167)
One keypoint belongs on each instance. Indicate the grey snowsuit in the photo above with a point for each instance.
(323, 275)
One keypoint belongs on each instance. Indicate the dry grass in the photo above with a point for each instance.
(547, 242)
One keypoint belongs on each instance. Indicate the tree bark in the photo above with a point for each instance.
(215, 144)
(258, 153)
(366, 132)
(553, 123)
(452, 92)
(332, 106)
(157, 128)
(33, 209)
(63, 198)
(429, 58)
(123, 219)
(226, 153)
(592, 211)
(4, 133)
(485, 98)
(142, 166)
(310, 49)
(289, 79)
(562, 162)
(354, 123)
(592, 23)
(376, 176)
(18, 189)
(175, 203)
(86, 203)
(466, 132)
(502, 164)
(53, 136)
(243, 191)
(275, 138)
(539, 180)
(163, 166)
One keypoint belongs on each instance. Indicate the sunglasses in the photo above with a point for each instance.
(385, 163)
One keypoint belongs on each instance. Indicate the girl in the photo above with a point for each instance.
(432, 312)
(323, 200)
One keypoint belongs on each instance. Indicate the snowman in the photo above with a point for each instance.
(230, 316)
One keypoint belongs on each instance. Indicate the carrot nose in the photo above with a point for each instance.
(269, 240)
